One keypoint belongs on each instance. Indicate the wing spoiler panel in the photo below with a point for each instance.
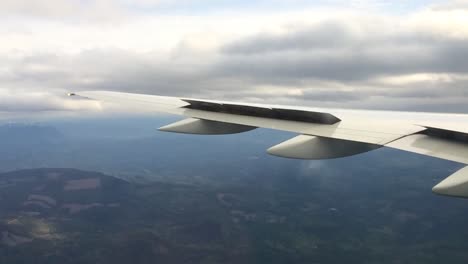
(255, 111)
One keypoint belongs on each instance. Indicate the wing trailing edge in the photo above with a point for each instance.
(438, 147)
(443, 144)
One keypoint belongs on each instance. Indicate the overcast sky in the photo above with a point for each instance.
(340, 54)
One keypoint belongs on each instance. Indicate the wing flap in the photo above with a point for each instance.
(433, 146)
(345, 130)
(443, 144)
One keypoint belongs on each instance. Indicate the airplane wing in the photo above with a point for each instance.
(323, 133)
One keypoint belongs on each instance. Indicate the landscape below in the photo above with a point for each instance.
(72, 216)
(188, 199)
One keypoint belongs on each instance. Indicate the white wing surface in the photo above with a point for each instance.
(323, 133)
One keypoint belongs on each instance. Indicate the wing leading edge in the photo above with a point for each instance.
(324, 133)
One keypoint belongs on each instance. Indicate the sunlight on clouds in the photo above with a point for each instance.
(453, 23)
(420, 77)
(277, 90)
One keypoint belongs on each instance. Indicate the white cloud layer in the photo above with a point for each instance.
(324, 56)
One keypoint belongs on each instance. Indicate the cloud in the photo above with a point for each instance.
(329, 34)
(68, 10)
(452, 6)
(331, 50)
(37, 101)
(345, 58)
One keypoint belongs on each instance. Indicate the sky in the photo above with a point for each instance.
(397, 55)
